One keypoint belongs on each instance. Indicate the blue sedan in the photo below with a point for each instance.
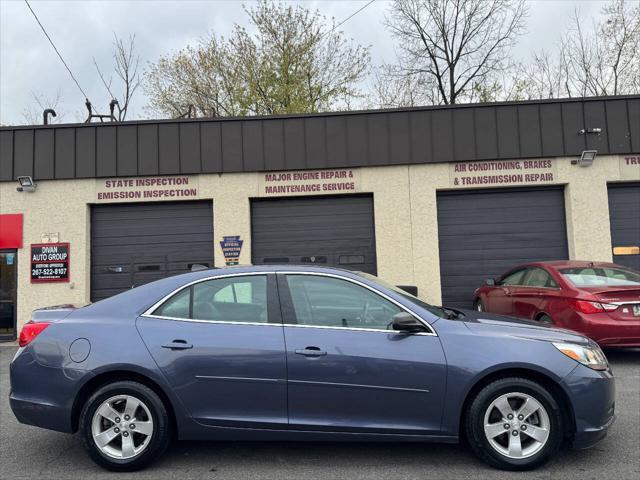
(304, 353)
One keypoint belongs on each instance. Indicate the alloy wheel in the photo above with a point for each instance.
(516, 425)
(122, 427)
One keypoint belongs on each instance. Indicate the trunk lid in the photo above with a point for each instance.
(627, 299)
(52, 314)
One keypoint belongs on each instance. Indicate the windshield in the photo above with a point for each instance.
(601, 276)
(413, 299)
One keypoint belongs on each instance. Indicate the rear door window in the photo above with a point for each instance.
(538, 277)
(230, 299)
(601, 276)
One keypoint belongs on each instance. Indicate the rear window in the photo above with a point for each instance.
(601, 276)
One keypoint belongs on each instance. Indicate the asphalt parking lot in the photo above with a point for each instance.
(29, 452)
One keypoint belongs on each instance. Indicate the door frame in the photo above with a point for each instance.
(4, 337)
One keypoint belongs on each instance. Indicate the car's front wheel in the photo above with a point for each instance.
(514, 424)
(478, 305)
(124, 426)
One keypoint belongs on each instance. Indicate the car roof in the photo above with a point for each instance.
(289, 267)
(557, 264)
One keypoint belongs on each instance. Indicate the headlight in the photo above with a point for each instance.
(590, 356)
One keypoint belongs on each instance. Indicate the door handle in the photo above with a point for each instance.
(311, 352)
(178, 345)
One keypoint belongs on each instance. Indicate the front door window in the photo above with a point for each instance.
(331, 302)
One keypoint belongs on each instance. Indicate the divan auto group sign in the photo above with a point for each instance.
(49, 262)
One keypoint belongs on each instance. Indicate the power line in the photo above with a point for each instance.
(348, 18)
(56, 49)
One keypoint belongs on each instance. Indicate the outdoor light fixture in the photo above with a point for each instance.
(26, 184)
(586, 159)
(593, 131)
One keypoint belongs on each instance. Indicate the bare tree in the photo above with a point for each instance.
(32, 114)
(546, 76)
(125, 67)
(605, 61)
(392, 87)
(590, 60)
(458, 44)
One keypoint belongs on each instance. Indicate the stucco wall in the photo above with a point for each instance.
(404, 208)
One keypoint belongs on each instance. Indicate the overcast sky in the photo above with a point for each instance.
(82, 30)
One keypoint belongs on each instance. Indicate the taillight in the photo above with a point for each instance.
(30, 331)
(584, 306)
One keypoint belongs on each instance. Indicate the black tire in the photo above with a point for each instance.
(546, 319)
(160, 436)
(474, 424)
(478, 306)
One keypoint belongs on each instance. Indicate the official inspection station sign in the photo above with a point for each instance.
(49, 262)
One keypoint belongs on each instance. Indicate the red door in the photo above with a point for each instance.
(499, 298)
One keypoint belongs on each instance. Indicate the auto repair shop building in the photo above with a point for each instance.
(438, 197)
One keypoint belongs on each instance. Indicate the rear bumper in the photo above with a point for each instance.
(43, 396)
(40, 414)
(592, 395)
(609, 332)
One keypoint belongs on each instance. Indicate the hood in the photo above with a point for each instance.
(53, 313)
(490, 324)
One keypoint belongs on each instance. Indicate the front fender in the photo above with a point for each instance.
(473, 358)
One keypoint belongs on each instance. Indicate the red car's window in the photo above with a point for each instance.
(601, 276)
(537, 277)
(513, 278)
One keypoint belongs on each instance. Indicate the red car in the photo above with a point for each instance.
(597, 299)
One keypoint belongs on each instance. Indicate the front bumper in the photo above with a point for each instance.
(592, 395)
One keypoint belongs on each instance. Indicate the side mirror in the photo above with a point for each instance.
(405, 322)
(490, 281)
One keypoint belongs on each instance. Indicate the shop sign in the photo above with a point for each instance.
(310, 182)
(146, 188)
(49, 262)
(502, 172)
(630, 167)
(231, 247)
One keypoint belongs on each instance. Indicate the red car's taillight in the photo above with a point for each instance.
(584, 306)
(30, 331)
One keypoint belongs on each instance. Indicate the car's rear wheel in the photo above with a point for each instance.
(124, 426)
(478, 306)
(544, 318)
(514, 424)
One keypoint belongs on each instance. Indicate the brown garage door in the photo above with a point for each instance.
(136, 243)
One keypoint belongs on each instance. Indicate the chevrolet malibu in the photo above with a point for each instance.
(304, 353)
